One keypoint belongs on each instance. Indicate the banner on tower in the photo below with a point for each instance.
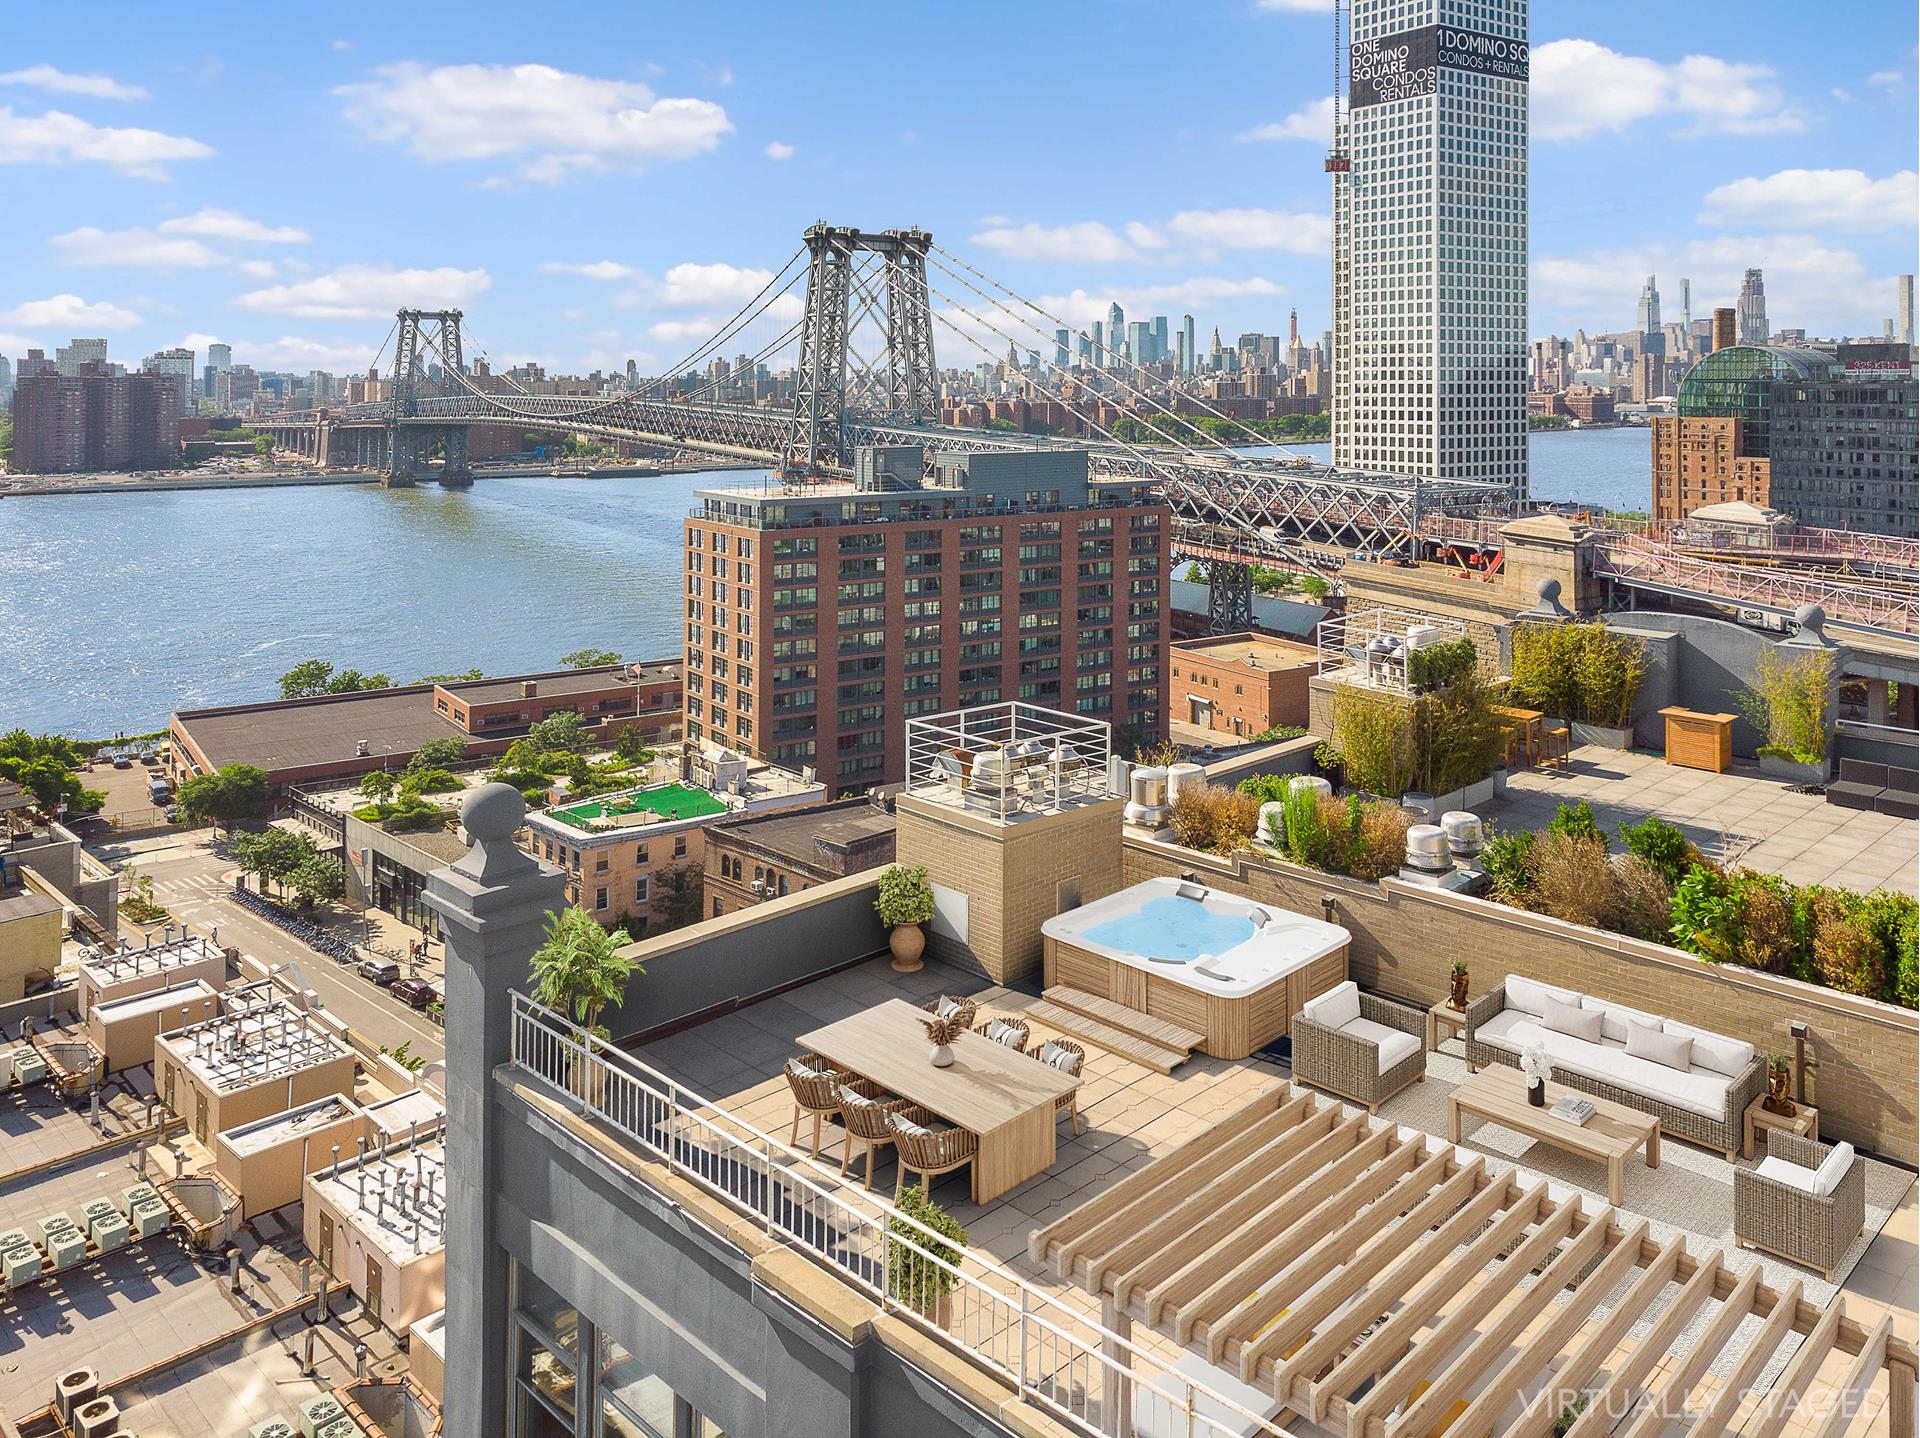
(1407, 65)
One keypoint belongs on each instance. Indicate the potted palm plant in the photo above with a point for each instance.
(579, 970)
(904, 903)
(920, 1269)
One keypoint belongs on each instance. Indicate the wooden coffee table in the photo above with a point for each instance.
(1499, 1095)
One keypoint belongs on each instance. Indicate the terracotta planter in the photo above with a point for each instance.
(907, 943)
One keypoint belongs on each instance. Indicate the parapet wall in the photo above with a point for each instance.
(1864, 1056)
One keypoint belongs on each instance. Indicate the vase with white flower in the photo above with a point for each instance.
(1536, 1068)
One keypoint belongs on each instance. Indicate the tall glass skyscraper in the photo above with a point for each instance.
(1430, 242)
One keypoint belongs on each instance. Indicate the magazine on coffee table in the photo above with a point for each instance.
(1573, 1109)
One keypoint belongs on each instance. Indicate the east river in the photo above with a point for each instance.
(117, 609)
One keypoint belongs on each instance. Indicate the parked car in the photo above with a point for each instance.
(121, 761)
(417, 992)
(173, 813)
(381, 971)
(158, 791)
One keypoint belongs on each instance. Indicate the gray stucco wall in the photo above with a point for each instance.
(722, 963)
(682, 1300)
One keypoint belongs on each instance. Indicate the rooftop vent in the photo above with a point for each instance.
(528, 689)
(362, 748)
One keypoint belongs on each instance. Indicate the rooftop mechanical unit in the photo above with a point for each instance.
(28, 1066)
(19, 1264)
(316, 1413)
(96, 1418)
(272, 1428)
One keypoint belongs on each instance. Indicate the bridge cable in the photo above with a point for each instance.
(754, 305)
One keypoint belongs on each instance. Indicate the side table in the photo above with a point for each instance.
(1804, 1124)
(1443, 1022)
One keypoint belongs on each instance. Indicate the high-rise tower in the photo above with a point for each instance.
(1649, 311)
(1193, 355)
(1753, 310)
(1430, 242)
(1117, 335)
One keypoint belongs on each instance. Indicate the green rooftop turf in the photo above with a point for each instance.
(669, 801)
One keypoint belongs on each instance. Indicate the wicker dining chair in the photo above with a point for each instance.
(815, 1083)
(948, 1006)
(1013, 1033)
(864, 1107)
(1069, 1058)
(928, 1151)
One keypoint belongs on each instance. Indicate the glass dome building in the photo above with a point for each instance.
(1737, 383)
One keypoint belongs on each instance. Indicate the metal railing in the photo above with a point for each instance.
(1083, 1374)
(1780, 590)
(1004, 760)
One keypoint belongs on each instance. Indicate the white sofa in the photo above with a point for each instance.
(1696, 1082)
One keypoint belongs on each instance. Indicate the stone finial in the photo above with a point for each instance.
(1548, 606)
(1811, 621)
(492, 815)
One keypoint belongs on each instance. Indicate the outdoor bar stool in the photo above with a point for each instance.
(946, 1006)
(864, 1109)
(1012, 1033)
(1557, 747)
(925, 1150)
(815, 1083)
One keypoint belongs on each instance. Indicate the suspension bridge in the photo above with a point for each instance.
(852, 315)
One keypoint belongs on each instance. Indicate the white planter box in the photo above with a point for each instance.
(1433, 805)
(1774, 767)
(1603, 736)
(1480, 793)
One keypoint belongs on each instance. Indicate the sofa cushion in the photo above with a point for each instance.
(1531, 996)
(1715, 1051)
(1863, 771)
(1697, 1091)
(1675, 1051)
(1833, 1168)
(1510, 1030)
(1614, 1018)
(1390, 1045)
(1782, 1172)
(1581, 1023)
(1337, 1007)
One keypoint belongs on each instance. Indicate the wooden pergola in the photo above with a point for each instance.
(1390, 1286)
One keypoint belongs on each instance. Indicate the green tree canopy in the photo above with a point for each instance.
(589, 659)
(313, 677)
(318, 878)
(463, 677)
(562, 733)
(378, 785)
(437, 754)
(677, 890)
(229, 794)
(274, 854)
(579, 970)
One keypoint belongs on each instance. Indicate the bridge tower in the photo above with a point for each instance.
(861, 283)
(419, 336)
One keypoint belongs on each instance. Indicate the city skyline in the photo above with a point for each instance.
(159, 222)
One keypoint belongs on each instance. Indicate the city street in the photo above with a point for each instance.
(190, 878)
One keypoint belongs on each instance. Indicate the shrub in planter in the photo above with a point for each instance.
(915, 1275)
(1330, 764)
(1505, 862)
(1214, 819)
(1376, 740)
(1577, 821)
(905, 896)
(1585, 673)
(1439, 665)
(1572, 879)
(1661, 844)
(1380, 846)
(1457, 738)
(1267, 788)
(1846, 955)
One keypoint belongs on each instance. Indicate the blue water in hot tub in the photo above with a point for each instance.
(1172, 928)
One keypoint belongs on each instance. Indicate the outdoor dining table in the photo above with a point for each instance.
(1004, 1097)
(1533, 724)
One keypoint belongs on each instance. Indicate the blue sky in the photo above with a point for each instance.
(591, 182)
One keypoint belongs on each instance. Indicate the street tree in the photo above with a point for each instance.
(312, 677)
(589, 659)
(317, 879)
(231, 793)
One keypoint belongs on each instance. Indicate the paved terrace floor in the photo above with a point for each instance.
(1739, 817)
(1134, 1115)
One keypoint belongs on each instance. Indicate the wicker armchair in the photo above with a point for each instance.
(1013, 1033)
(927, 1152)
(1791, 1222)
(864, 1107)
(815, 1083)
(1348, 1064)
(1074, 1063)
(1725, 1131)
(962, 1009)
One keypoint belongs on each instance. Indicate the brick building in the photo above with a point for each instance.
(1846, 451)
(93, 420)
(755, 858)
(1697, 462)
(821, 618)
(1240, 684)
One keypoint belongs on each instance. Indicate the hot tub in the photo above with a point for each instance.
(1227, 968)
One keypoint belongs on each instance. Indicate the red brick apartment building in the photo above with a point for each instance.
(67, 424)
(820, 618)
(1241, 684)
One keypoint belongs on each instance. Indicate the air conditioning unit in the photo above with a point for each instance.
(96, 1418)
(73, 1389)
(760, 886)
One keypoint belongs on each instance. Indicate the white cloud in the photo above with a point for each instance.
(1312, 121)
(1884, 77)
(213, 224)
(1300, 234)
(198, 340)
(716, 284)
(1089, 241)
(293, 352)
(62, 82)
(778, 150)
(369, 292)
(257, 269)
(551, 122)
(1810, 281)
(680, 331)
(71, 315)
(591, 269)
(343, 44)
(18, 344)
(1581, 88)
(57, 138)
(90, 248)
(1821, 199)
(1196, 233)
